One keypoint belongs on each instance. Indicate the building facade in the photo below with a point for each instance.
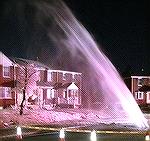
(59, 88)
(136, 85)
(7, 82)
(43, 86)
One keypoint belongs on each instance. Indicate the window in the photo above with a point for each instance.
(64, 93)
(50, 93)
(73, 93)
(49, 76)
(76, 93)
(6, 71)
(139, 95)
(53, 93)
(140, 82)
(64, 76)
(39, 76)
(5, 92)
(149, 96)
(73, 77)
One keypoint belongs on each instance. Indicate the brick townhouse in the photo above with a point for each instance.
(44, 86)
(139, 85)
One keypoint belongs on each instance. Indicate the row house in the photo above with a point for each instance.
(140, 88)
(59, 88)
(43, 86)
(7, 82)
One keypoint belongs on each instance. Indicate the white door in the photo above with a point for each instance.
(148, 97)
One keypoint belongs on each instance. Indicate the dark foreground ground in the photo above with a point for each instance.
(86, 137)
(46, 133)
(71, 136)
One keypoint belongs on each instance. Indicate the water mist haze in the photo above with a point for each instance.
(48, 30)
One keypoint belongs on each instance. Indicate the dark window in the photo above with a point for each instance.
(6, 71)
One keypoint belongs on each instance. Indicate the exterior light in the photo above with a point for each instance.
(62, 135)
(147, 137)
(93, 135)
(19, 133)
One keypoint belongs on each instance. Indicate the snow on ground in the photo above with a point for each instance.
(42, 116)
(39, 116)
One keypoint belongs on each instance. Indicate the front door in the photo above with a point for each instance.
(73, 97)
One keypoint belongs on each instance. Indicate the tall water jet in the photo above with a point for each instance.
(101, 83)
(74, 49)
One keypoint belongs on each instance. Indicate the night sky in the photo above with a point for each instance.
(121, 28)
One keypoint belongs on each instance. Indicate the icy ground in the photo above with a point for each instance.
(56, 117)
(47, 116)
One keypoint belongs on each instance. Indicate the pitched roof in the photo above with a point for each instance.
(72, 86)
(38, 64)
(22, 61)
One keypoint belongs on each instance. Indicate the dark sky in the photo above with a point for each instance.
(120, 27)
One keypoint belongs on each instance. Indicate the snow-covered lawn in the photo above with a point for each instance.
(43, 116)
(60, 117)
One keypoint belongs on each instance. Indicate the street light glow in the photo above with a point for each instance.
(19, 133)
(147, 137)
(93, 135)
(62, 134)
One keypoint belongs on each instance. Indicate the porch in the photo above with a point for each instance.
(66, 95)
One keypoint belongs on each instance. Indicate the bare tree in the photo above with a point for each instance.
(27, 77)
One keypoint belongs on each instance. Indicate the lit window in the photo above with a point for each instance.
(48, 94)
(53, 93)
(64, 76)
(73, 75)
(140, 82)
(49, 76)
(139, 95)
(5, 92)
(148, 96)
(6, 71)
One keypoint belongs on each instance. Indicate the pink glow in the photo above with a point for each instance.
(101, 83)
